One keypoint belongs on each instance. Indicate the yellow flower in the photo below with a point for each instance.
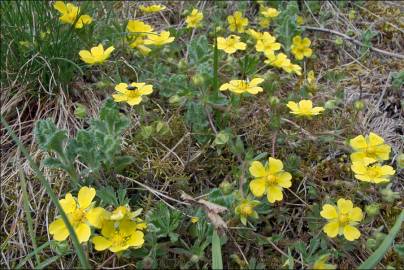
(69, 14)
(139, 27)
(299, 20)
(301, 47)
(230, 44)
(269, 12)
(237, 22)
(368, 171)
(270, 179)
(246, 209)
(81, 215)
(152, 8)
(96, 55)
(304, 108)
(267, 44)
(255, 34)
(118, 236)
(138, 43)
(242, 86)
(342, 219)
(371, 146)
(194, 219)
(292, 68)
(194, 19)
(321, 263)
(132, 94)
(282, 61)
(264, 22)
(160, 39)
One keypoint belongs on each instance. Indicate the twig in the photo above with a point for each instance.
(274, 143)
(212, 125)
(311, 28)
(155, 192)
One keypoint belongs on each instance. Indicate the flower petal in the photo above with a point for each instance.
(274, 193)
(137, 239)
(274, 165)
(331, 229)
(292, 106)
(375, 139)
(356, 214)
(101, 243)
(351, 233)
(68, 203)
(258, 187)
(344, 206)
(283, 179)
(359, 142)
(97, 216)
(86, 196)
(83, 232)
(58, 230)
(329, 211)
(134, 100)
(257, 169)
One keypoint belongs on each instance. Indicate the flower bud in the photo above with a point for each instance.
(338, 41)
(226, 187)
(371, 243)
(330, 104)
(273, 101)
(182, 64)
(400, 161)
(198, 79)
(359, 105)
(373, 209)
(379, 236)
(194, 258)
(388, 195)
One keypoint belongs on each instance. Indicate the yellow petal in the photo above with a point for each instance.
(58, 230)
(108, 229)
(274, 193)
(375, 139)
(117, 248)
(109, 51)
(305, 105)
(292, 106)
(134, 100)
(137, 239)
(97, 216)
(306, 42)
(329, 211)
(383, 151)
(358, 156)
(257, 169)
(86, 196)
(119, 97)
(283, 179)
(60, 6)
(97, 52)
(331, 229)
(83, 232)
(359, 142)
(351, 233)
(344, 206)
(274, 165)
(101, 243)
(146, 90)
(258, 187)
(224, 87)
(68, 203)
(358, 167)
(256, 81)
(355, 214)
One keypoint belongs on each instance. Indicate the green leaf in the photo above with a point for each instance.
(163, 220)
(376, 257)
(49, 137)
(217, 262)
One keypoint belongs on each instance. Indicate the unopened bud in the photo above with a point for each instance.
(373, 209)
(359, 105)
(226, 187)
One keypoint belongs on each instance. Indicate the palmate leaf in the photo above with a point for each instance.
(164, 221)
(49, 137)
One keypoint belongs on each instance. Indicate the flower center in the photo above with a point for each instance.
(118, 239)
(78, 216)
(271, 179)
(372, 172)
(246, 210)
(343, 219)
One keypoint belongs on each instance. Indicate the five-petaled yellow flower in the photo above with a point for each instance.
(368, 170)
(267, 44)
(371, 146)
(152, 8)
(243, 86)
(255, 34)
(321, 263)
(138, 31)
(160, 39)
(301, 47)
(96, 55)
(342, 219)
(304, 108)
(281, 60)
(237, 22)
(132, 94)
(118, 236)
(81, 215)
(69, 14)
(270, 179)
(194, 19)
(269, 12)
(246, 209)
(230, 44)
(194, 220)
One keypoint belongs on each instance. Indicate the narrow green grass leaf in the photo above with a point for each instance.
(215, 68)
(28, 213)
(217, 262)
(378, 255)
(33, 253)
(79, 251)
(48, 261)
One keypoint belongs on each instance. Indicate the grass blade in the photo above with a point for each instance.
(28, 213)
(33, 253)
(215, 68)
(217, 262)
(376, 257)
(79, 251)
